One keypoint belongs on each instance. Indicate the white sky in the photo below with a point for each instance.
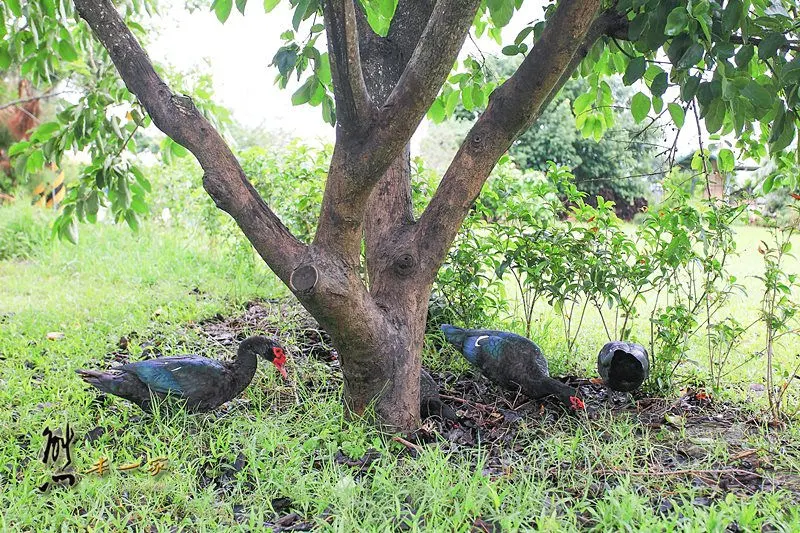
(240, 51)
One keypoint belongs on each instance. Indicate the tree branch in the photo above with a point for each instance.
(177, 117)
(353, 105)
(512, 106)
(44, 96)
(422, 78)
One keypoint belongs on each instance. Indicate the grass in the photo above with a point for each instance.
(231, 469)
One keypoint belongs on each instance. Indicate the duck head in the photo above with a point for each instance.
(268, 349)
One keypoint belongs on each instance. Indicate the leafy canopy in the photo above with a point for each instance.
(732, 65)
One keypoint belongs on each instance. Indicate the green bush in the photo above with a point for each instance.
(671, 272)
(291, 180)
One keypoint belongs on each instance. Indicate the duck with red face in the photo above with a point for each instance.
(203, 383)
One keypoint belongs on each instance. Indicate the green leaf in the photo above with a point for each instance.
(658, 104)
(691, 57)
(583, 102)
(640, 106)
(500, 11)
(689, 88)
(67, 51)
(744, 55)
(478, 96)
(285, 59)
(69, 231)
(757, 94)
(451, 102)
(677, 114)
(677, 47)
(35, 162)
(659, 84)
(300, 13)
(783, 130)
(240, 5)
(5, 57)
(177, 150)
(222, 8)
(269, 5)
(328, 112)
(18, 148)
(303, 94)
(523, 34)
(138, 205)
(697, 161)
(768, 183)
(132, 220)
(140, 179)
(777, 124)
(769, 45)
(635, 70)
(436, 111)
(731, 16)
(466, 98)
(324, 69)
(725, 160)
(790, 72)
(510, 50)
(715, 115)
(676, 21)
(92, 203)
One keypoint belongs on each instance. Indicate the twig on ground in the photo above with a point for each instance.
(743, 454)
(408, 444)
(481, 406)
(693, 472)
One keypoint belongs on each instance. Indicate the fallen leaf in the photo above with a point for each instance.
(55, 336)
(675, 420)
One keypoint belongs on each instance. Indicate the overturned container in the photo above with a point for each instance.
(624, 366)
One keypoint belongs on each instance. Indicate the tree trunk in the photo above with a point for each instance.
(384, 381)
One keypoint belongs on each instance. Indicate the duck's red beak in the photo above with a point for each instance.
(280, 361)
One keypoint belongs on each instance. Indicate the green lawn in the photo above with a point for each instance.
(233, 469)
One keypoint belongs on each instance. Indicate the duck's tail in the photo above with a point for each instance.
(454, 335)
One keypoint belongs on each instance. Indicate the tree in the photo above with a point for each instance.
(387, 69)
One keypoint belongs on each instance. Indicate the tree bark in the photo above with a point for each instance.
(382, 87)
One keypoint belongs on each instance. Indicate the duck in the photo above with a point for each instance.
(203, 383)
(623, 366)
(513, 362)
